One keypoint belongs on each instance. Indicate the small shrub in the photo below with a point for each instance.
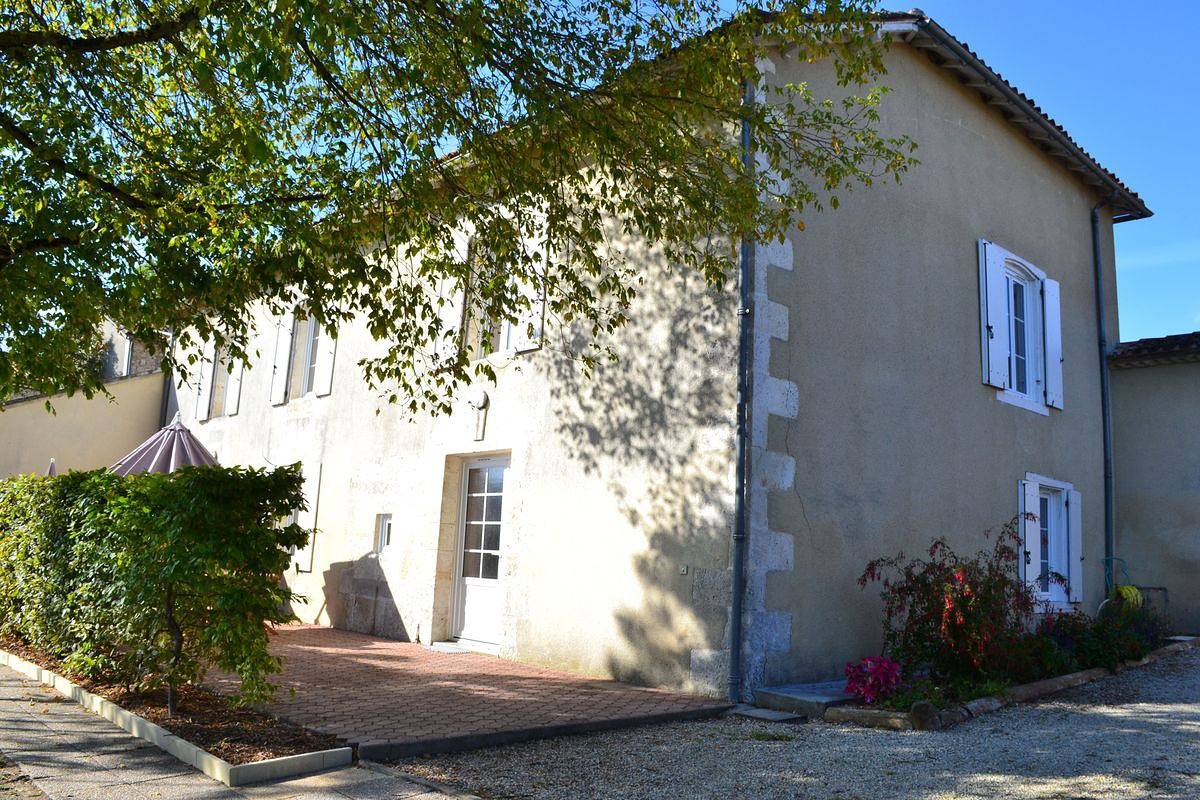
(1128, 612)
(916, 691)
(872, 679)
(1037, 656)
(954, 616)
(1123, 631)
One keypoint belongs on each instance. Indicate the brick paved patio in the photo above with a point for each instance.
(395, 699)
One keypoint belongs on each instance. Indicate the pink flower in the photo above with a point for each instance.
(873, 678)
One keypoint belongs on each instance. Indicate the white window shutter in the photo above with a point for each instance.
(302, 559)
(526, 333)
(1075, 545)
(1052, 319)
(327, 348)
(451, 315)
(993, 300)
(283, 351)
(1031, 531)
(204, 389)
(233, 389)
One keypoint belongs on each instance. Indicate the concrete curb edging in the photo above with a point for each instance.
(216, 768)
(926, 717)
(392, 750)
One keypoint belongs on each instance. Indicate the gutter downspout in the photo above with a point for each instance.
(742, 465)
(1110, 546)
(164, 405)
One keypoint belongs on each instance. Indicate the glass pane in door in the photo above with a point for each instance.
(482, 522)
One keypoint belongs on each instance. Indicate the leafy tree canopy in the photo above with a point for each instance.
(173, 165)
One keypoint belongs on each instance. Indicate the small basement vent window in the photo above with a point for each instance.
(383, 532)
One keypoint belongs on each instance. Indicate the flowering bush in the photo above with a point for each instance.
(873, 678)
(954, 616)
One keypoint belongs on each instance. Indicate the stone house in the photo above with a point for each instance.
(925, 362)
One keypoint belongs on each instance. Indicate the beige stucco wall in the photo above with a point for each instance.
(892, 439)
(617, 505)
(82, 433)
(1156, 449)
(872, 431)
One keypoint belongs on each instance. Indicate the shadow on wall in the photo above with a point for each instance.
(658, 428)
(358, 598)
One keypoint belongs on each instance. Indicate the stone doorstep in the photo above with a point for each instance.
(765, 714)
(809, 699)
(216, 768)
(933, 719)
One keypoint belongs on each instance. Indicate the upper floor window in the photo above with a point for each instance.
(304, 353)
(220, 387)
(117, 357)
(1023, 292)
(220, 384)
(482, 333)
(1021, 330)
(302, 359)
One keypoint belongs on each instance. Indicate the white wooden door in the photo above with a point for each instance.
(479, 597)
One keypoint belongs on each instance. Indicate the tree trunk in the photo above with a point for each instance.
(176, 650)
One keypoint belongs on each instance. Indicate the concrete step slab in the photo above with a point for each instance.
(766, 714)
(809, 699)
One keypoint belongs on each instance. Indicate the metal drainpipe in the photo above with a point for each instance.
(166, 387)
(1110, 547)
(744, 386)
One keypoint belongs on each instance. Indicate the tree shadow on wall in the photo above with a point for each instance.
(657, 428)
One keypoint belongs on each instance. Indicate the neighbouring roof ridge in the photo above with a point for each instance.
(1178, 348)
(920, 31)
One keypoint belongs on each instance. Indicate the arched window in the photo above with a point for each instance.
(1021, 330)
(1023, 291)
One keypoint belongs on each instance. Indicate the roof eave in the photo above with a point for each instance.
(947, 52)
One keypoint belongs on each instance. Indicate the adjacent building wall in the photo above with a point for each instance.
(81, 433)
(1156, 443)
(890, 438)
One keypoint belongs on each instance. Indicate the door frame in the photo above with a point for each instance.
(456, 586)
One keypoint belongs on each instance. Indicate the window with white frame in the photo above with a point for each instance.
(304, 356)
(1051, 527)
(383, 532)
(220, 388)
(482, 333)
(1020, 320)
(302, 363)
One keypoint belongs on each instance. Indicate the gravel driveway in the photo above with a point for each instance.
(1136, 735)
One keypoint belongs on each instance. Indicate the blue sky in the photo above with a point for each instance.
(1121, 79)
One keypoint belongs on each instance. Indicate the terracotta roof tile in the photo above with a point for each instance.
(1177, 349)
(1024, 112)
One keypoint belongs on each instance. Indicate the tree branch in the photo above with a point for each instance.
(10, 250)
(59, 164)
(154, 32)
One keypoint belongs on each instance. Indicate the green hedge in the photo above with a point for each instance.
(149, 580)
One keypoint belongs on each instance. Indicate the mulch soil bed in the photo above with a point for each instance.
(206, 719)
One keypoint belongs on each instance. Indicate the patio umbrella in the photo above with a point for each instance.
(52, 470)
(166, 451)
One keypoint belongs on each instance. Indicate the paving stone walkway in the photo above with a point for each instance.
(50, 747)
(396, 699)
